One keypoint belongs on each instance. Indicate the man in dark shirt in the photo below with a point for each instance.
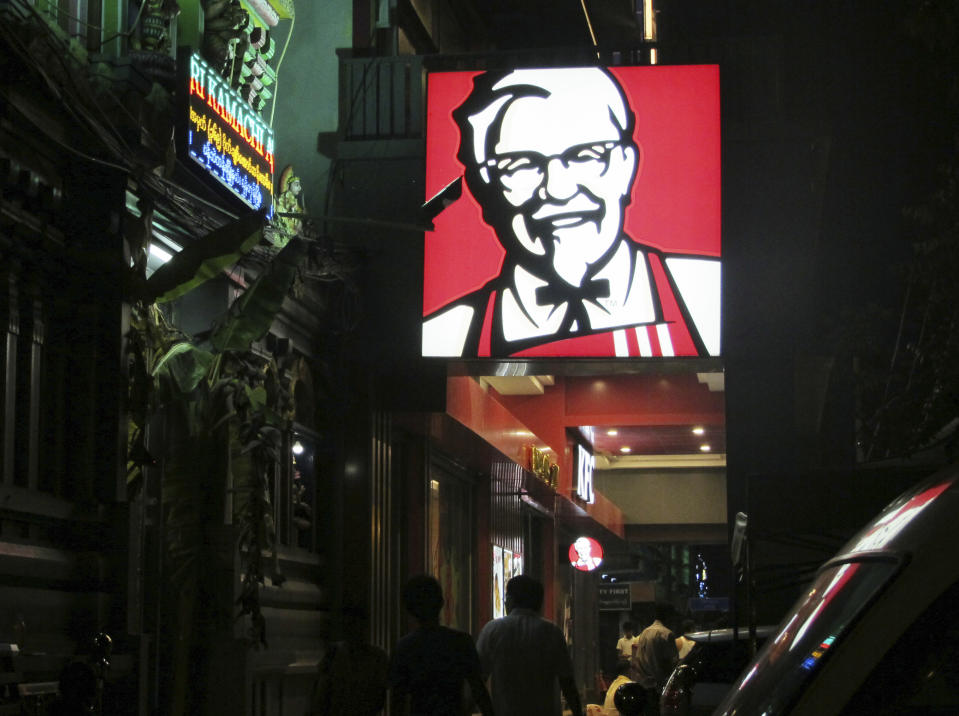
(432, 664)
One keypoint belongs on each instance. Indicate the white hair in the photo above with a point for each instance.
(578, 88)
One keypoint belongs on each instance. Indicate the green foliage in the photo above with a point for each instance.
(226, 409)
(252, 314)
(204, 259)
(185, 365)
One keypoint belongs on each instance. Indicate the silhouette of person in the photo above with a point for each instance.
(655, 656)
(432, 665)
(550, 157)
(352, 672)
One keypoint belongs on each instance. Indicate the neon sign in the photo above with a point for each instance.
(228, 139)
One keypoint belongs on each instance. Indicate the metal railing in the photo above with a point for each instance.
(382, 97)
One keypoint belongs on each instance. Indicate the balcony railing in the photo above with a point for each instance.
(385, 98)
(381, 97)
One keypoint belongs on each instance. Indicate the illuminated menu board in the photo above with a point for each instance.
(228, 139)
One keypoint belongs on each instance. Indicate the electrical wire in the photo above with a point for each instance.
(82, 155)
(589, 24)
(70, 105)
(276, 71)
(73, 101)
(128, 33)
(180, 200)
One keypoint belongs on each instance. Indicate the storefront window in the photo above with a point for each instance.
(450, 542)
(296, 497)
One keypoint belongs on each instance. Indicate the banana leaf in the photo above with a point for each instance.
(186, 364)
(204, 259)
(257, 397)
(252, 314)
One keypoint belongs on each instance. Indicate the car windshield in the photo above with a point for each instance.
(816, 625)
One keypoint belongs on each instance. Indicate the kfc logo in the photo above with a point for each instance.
(585, 554)
(539, 259)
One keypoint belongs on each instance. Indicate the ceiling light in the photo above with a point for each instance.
(298, 448)
(698, 430)
(705, 447)
(612, 431)
(626, 448)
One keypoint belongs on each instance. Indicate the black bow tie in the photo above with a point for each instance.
(592, 290)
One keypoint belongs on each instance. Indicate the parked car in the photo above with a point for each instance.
(877, 631)
(705, 674)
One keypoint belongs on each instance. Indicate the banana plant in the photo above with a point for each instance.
(225, 408)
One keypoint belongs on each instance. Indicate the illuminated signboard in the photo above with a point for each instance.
(585, 464)
(576, 213)
(585, 554)
(228, 139)
(614, 597)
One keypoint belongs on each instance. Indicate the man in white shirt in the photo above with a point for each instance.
(624, 647)
(526, 657)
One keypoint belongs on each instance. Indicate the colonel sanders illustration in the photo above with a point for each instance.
(549, 156)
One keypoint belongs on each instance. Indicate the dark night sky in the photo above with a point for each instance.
(852, 66)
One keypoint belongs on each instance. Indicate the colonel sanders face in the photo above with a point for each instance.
(550, 156)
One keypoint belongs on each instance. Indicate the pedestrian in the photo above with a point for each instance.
(624, 647)
(526, 658)
(352, 672)
(432, 665)
(654, 657)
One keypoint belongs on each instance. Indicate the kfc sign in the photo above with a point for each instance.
(583, 213)
(585, 464)
(585, 554)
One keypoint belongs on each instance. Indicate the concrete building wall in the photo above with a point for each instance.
(666, 496)
(307, 99)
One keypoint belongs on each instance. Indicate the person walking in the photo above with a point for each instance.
(525, 657)
(352, 672)
(432, 665)
(654, 657)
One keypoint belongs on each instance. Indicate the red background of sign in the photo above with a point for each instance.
(676, 196)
